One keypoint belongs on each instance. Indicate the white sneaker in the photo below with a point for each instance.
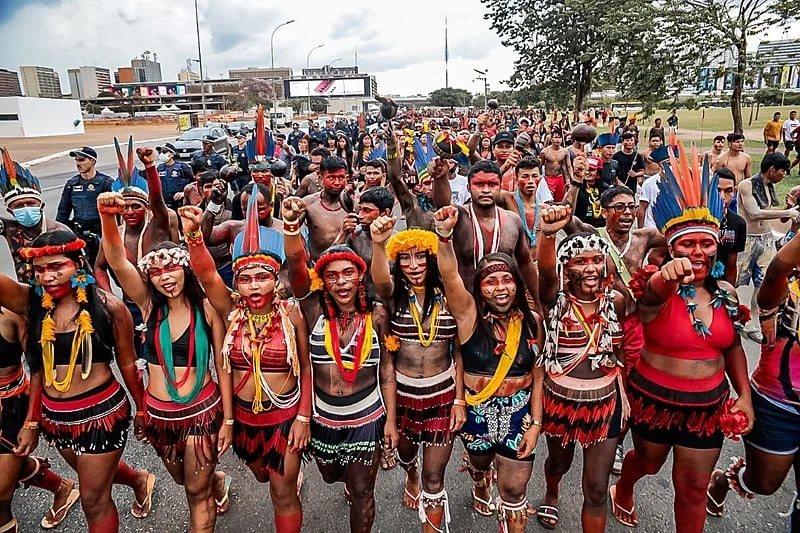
(618, 458)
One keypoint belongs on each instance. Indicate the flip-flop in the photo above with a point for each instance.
(224, 504)
(488, 503)
(710, 500)
(142, 510)
(300, 479)
(545, 513)
(413, 498)
(612, 496)
(72, 499)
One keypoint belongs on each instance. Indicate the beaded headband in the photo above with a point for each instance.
(52, 249)
(341, 253)
(578, 244)
(491, 269)
(164, 257)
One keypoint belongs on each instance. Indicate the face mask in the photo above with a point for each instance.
(163, 157)
(28, 216)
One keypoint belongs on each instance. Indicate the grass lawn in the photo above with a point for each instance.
(718, 120)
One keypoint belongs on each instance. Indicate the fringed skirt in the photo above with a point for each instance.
(13, 409)
(423, 407)
(263, 436)
(170, 423)
(347, 429)
(584, 411)
(676, 411)
(92, 422)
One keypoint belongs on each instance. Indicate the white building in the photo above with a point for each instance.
(39, 117)
(88, 82)
(188, 75)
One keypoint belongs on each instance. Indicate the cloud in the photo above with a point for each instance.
(403, 50)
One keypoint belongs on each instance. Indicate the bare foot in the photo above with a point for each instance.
(412, 490)
(623, 508)
(717, 490)
(61, 495)
(482, 496)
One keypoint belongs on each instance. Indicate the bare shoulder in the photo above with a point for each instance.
(209, 311)
(312, 199)
(115, 306)
(727, 287)
(745, 186)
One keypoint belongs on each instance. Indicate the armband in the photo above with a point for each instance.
(214, 208)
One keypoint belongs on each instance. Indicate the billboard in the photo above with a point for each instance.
(150, 89)
(327, 87)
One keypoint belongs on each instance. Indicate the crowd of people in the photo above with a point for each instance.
(365, 305)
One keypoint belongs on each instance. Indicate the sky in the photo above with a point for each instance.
(401, 43)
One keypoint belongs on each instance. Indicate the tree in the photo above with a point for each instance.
(319, 105)
(450, 97)
(714, 28)
(256, 91)
(296, 104)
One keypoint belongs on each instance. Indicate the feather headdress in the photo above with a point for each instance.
(257, 245)
(129, 182)
(688, 200)
(16, 181)
(261, 146)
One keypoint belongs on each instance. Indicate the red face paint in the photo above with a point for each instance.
(134, 213)
(334, 181)
(59, 291)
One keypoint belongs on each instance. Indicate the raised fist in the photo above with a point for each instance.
(438, 168)
(190, 217)
(678, 270)
(554, 218)
(293, 209)
(219, 192)
(110, 203)
(381, 229)
(146, 155)
(445, 219)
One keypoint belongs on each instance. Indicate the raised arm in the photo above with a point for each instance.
(380, 230)
(393, 171)
(101, 272)
(459, 300)
(442, 195)
(220, 234)
(109, 205)
(576, 182)
(554, 218)
(218, 294)
(294, 211)
(751, 209)
(159, 224)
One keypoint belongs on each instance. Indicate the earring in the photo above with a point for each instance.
(80, 280)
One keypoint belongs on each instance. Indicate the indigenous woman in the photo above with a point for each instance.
(343, 148)
(184, 406)
(74, 331)
(771, 449)
(363, 150)
(16, 440)
(266, 353)
(500, 339)
(678, 389)
(584, 399)
(353, 373)
(430, 380)
(485, 148)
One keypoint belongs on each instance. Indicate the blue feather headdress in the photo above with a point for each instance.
(378, 152)
(257, 245)
(423, 156)
(16, 181)
(129, 182)
(688, 200)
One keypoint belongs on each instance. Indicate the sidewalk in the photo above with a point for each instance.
(27, 149)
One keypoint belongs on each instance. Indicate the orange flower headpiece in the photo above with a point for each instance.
(52, 249)
(422, 240)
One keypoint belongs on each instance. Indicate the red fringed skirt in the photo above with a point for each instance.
(584, 411)
(92, 422)
(171, 424)
(670, 410)
(263, 436)
(423, 407)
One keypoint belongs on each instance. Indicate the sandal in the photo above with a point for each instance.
(225, 503)
(710, 500)
(142, 510)
(632, 521)
(476, 500)
(53, 518)
(547, 515)
(300, 478)
(388, 459)
(414, 500)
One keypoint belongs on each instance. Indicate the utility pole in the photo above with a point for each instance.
(482, 76)
(200, 61)
(272, 60)
(446, 57)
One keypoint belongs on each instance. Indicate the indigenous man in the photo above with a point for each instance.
(325, 215)
(631, 163)
(373, 203)
(757, 197)
(735, 159)
(417, 213)
(557, 166)
(732, 227)
(311, 183)
(716, 149)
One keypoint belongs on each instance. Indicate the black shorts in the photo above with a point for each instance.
(772, 144)
(12, 416)
(789, 145)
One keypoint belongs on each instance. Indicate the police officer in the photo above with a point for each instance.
(214, 160)
(79, 200)
(240, 158)
(295, 136)
(174, 175)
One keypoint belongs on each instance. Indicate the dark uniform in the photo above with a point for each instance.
(240, 158)
(173, 179)
(214, 160)
(79, 200)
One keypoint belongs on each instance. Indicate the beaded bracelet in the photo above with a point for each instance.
(303, 419)
(461, 403)
(30, 424)
(193, 238)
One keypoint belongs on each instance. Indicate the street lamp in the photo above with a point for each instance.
(272, 60)
(308, 83)
(200, 61)
(482, 76)
(330, 65)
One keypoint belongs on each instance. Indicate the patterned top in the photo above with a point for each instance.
(320, 356)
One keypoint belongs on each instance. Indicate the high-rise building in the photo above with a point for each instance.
(188, 75)
(277, 73)
(9, 83)
(87, 82)
(145, 69)
(124, 75)
(40, 82)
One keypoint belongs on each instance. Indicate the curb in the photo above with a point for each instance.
(56, 155)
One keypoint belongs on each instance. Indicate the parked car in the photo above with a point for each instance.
(235, 127)
(191, 141)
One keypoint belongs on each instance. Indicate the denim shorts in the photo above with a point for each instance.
(775, 430)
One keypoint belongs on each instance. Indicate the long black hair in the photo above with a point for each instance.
(96, 303)
(365, 296)
(192, 290)
(520, 299)
(433, 281)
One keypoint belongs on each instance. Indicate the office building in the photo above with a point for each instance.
(9, 83)
(124, 75)
(266, 73)
(40, 82)
(188, 75)
(146, 70)
(87, 82)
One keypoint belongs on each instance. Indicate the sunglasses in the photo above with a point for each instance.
(621, 208)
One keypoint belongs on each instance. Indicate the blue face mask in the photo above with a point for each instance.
(28, 216)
